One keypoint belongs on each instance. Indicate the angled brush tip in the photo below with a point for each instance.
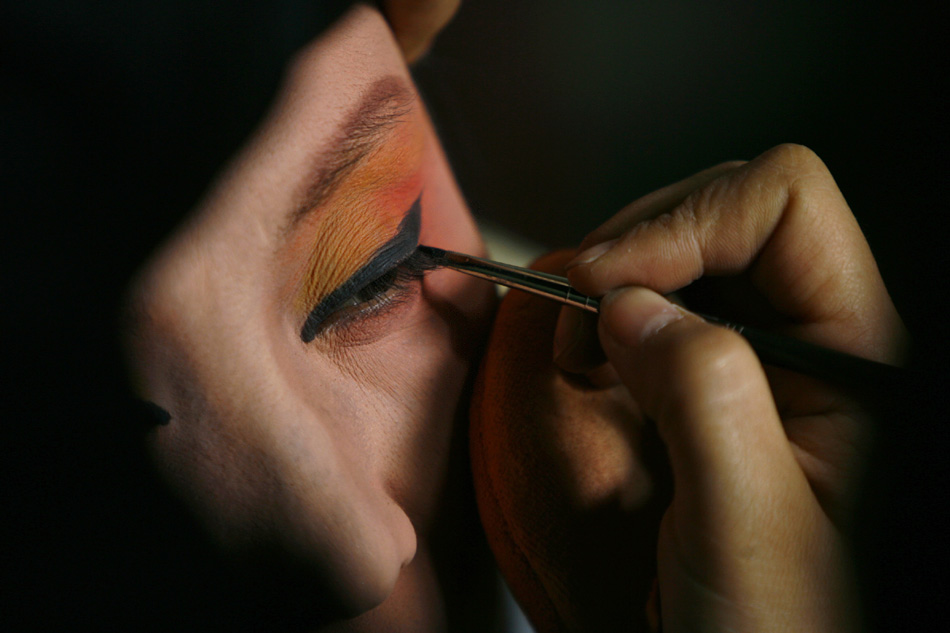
(435, 256)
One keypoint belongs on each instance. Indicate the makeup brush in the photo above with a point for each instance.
(860, 375)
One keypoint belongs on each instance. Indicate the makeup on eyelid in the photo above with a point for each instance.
(380, 270)
(362, 216)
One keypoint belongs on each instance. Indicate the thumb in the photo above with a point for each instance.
(744, 538)
(708, 395)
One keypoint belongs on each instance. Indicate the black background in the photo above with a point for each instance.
(114, 117)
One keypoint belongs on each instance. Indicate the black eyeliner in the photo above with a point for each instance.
(389, 255)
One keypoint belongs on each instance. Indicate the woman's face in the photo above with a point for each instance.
(313, 381)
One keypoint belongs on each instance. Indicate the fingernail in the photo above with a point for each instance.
(591, 254)
(632, 315)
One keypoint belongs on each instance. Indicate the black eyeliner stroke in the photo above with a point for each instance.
(389, 255)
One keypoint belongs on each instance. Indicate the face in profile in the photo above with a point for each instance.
(314, 375)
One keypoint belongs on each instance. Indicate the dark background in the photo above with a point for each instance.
(114, 117)
(556, 114)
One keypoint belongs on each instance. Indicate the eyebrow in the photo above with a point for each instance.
(383, 106)
(390, 254)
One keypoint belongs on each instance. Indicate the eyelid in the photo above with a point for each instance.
(396, 292)
(368, 321)
(397, 250)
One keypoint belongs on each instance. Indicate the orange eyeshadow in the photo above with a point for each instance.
(362, 215)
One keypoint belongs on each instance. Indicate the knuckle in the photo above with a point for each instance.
(797, 159)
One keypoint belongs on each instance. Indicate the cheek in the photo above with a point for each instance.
(411, 388)
(390, 407)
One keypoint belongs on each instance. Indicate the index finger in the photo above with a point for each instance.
(780, 217)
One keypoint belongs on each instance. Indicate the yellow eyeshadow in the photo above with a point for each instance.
(350, 240)
(363, 214)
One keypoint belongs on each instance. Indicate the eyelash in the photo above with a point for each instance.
(383, 293)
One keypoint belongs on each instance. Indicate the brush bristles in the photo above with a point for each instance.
(434, 257)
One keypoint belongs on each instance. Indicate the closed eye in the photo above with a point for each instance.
(378, 282)
(380, 295)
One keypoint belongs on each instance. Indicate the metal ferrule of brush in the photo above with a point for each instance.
(535, 282)
(861, 376)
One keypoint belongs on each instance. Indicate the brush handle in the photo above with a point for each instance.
(859, 375)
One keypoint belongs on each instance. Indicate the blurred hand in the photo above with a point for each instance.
(765, 462)
(417, 22)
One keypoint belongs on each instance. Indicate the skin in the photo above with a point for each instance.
(748, 447)
(330, 460)
(417, 22)
(770, 242)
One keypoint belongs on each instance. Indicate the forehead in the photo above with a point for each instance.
(329, 75)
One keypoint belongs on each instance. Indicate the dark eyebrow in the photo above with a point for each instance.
(381, 108)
